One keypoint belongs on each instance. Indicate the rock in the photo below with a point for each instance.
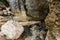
(37, 9)
(53, 21)
(12, 30)
(34, 32)
(38, 32)
(29, 9)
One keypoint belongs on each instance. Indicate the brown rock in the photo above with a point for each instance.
(53, 21)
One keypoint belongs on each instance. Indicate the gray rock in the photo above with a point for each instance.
(37, 9)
